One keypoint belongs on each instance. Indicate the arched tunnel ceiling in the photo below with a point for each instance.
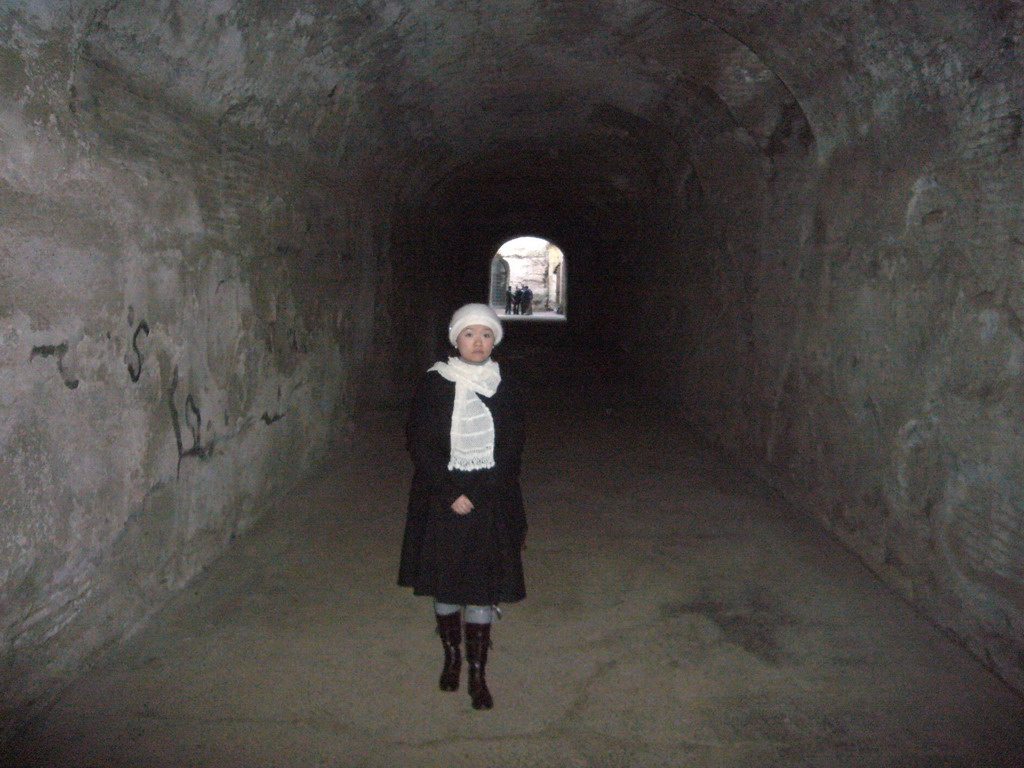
(470, 76)
(587, 97)
(461, 78)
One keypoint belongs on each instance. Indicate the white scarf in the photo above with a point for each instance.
(472, 433)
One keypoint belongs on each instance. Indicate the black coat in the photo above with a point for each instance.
(469, 559)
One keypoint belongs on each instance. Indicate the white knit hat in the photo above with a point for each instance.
(474, 314)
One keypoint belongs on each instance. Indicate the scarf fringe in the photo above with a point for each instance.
(470, 464)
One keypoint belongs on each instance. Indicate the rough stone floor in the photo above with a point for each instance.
(677, 617)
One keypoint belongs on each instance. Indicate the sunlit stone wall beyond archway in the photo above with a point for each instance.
(528, 263)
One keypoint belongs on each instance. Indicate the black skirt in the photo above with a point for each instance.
(471, 559)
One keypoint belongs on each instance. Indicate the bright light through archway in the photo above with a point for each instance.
(528, 280)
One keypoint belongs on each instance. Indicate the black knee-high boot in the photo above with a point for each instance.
(478, 640)
(449, 627)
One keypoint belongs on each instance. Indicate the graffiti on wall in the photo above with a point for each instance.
(135, 370)
(186, 420)
(269, 418)
(194, 422)
(58, 351)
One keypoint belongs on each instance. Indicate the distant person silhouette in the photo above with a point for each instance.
(526, 303)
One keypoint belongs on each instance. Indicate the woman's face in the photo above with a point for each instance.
(475, 343)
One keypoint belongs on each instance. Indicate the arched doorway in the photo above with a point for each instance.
(528, 279)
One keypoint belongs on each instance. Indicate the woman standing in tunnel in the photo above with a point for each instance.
(465, 523)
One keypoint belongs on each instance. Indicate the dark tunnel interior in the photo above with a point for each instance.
(231, 228)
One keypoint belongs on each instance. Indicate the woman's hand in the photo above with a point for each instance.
(462, 505)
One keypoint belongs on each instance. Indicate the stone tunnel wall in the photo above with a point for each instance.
(858, 336)
(182, 310)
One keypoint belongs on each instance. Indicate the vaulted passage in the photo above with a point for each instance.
(232, 230)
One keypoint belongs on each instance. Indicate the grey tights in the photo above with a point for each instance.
(475, 614)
